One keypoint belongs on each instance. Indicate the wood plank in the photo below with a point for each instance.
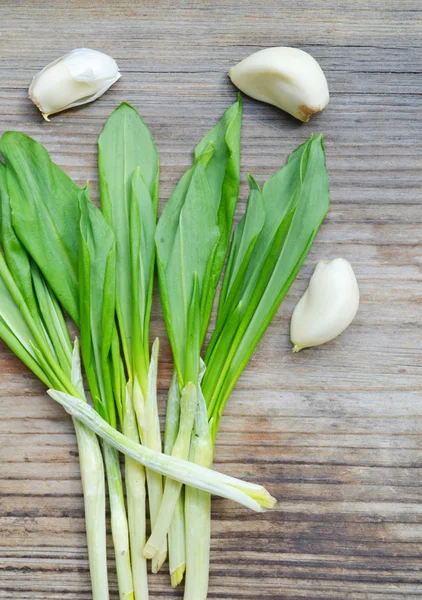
(334, 432)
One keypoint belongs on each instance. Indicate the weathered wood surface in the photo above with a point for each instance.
(334, 433)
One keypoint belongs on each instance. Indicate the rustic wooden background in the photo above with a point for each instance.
(334, 433)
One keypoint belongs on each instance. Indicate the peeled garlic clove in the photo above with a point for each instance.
(288, 78)
(79, 77)
(327, 307)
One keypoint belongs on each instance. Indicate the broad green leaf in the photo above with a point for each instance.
(184, 262)
(10, 312)
(129, 174)
(244, 240)
(219, 155)
(311, 206)
(223, 173)
(194, 230)
(16, 256)
(24, 335)
(143, 220)
(14, 342)
(295, 201)
(53, 321)
(38, 298)
(280, 195)
(97, 287)
(168, 224)
(44, 203)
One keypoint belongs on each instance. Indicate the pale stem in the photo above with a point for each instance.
(198, 511)
(93, 485)
(198, 535)
(188, 404)
(119, 526)
(176, 534)
(250, 495)
(149, 429)
(136, 507)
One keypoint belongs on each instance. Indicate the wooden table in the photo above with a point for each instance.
(334, 433)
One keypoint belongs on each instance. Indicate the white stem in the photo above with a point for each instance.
(119, 526)
(198, 536)
(188, 403)
(172, 489)
(93, 485)
(250, 495)
(176, 534)
(176, 540)
(149, 422)
(136, 507)
(165, 517)
(198, 511)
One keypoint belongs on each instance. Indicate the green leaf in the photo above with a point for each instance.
(14, 342)
(185, 248)
(244, 240)
(10, 313)
(311, 206)
(194, 236)
(193, 340)
(280, 194)
(24, 335)
(44, 203)
(53, 321)
(143, 220)
(38, 298)
(97, 277)
(223, 173)
(129, 175)
(295, 201)
(15, 254)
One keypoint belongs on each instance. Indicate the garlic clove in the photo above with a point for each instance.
(288, 78)
(327, 307)
(79, 77)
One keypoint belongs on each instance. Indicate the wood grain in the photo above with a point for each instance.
(334, 433)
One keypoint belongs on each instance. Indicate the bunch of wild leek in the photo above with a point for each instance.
(269, 246)
(57, 248)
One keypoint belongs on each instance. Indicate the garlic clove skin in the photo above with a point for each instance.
(327, 307)
(79, 77)
(288, 78)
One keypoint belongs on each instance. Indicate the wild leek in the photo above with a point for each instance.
(46, 217)
(269, 246)
(32, 325)
(129, 171)
(97, 292)
(192, 237)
